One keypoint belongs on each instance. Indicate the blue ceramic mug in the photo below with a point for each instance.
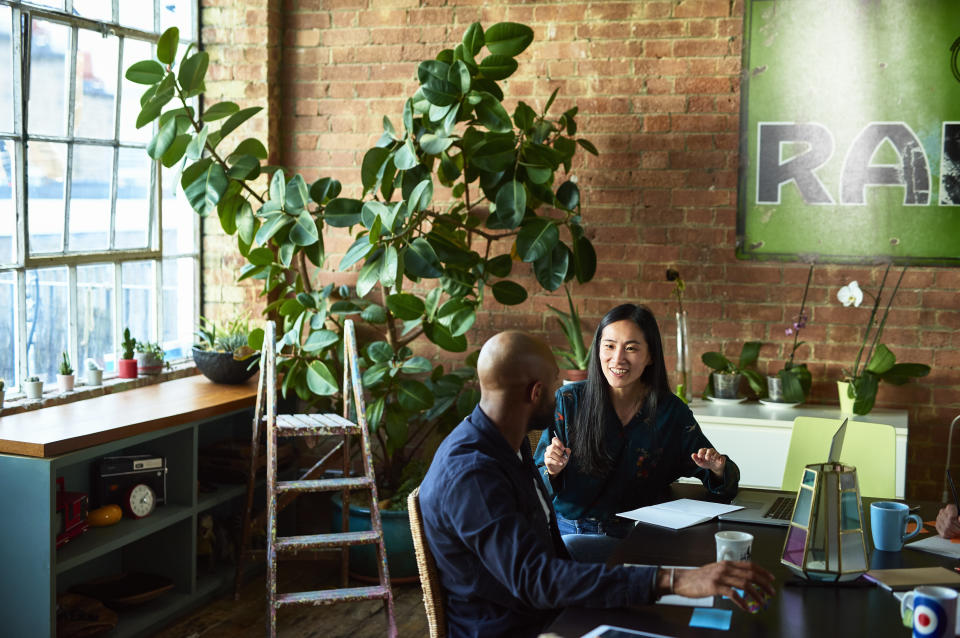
(888, 524)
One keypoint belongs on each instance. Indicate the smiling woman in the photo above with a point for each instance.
(622, 436)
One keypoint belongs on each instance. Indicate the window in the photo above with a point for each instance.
(94, 236)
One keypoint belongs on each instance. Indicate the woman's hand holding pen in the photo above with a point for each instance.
(555, 457)
(710, 459)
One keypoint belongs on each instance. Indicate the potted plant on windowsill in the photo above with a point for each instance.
(725, 379)
(577, 355)
(33, 388)
(127, 366)
(2, 386)
(65, 376)
(94, 372)
(223, 354)
(791, 385)
(149, 356)
(425, 266)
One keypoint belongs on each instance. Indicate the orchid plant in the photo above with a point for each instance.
(795, 379)
(881, 364)
(683, 364)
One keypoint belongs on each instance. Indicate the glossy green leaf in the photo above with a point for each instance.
(406, 157)
(246, 224)
(374, 314)
(459, 75)
(151, 111)
(314, 252)
(388, 127)
(162, 140)
(417, 365)
(320, 339)
(405, 306)
(511, 204)
(324, 189)
(421, 196)
(343, 212)
(716, 361)
(551, 269)
(420, 260)
(379, 351)
(508, 38)
(193, 171)
(523, 116)
(261, 256)
(197, 144)
(375, 374)
(865, 392)
(369, 276)
(375, 413)
(320, 380)
(145, 72)
(491, 114)
(901, 373)
(245, 167)
(192, 71)
(204, 193)
(881, 360)
(370, 169)
(536, 239)
(538, 174)
(167, 45)
(499, 266)
(176, 150)
(272, 225)
(590, 148)
(473, 39)
(441, 336)
(296, 194)
(370, 212)
(791, 386)
(388, 267)
(359, 250)
(584, 260)
(494, 156)
(509, 293)
(304, 230)
(251, 146)
(414, 396)
(219, 111)
(434, 84)
(568, 195)
(498, 67)
(434, 144)
(237, 119)
(285, 253)
(749, 354)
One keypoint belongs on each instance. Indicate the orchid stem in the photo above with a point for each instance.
(873, 313)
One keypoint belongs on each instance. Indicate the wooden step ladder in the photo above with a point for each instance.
(280, 493)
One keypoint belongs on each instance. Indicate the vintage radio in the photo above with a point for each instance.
(115, 476)
(72, 510)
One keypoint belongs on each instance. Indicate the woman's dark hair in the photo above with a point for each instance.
(596, 406)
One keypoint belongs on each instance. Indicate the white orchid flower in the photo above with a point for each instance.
(851, 295)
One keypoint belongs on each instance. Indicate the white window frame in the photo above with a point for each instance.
(21, 14)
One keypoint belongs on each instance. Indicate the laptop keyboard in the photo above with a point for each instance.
(781, 509)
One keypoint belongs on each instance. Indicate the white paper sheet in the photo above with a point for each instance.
(936, 545)
(680, 513)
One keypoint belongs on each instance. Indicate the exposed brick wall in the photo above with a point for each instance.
(657, 84)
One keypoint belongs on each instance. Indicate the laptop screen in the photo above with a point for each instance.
(837, 444)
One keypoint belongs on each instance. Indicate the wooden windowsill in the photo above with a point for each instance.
(59, 429)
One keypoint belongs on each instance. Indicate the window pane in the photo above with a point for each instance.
(46, 165)
(96, 9)
(178, 218)
(49, 57)
(47, 314)
(6, 72)
(133, 198)
(137, 300)
(97, 60)
(95, 338)
(138, 15)
(90, 198)
(177, 13)
(8, 203)
(179, 276)
(8, 320)
(133, 51)
(56, 4)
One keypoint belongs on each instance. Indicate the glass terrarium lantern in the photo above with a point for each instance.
(825, 539)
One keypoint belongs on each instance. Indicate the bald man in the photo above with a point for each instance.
(492, 529)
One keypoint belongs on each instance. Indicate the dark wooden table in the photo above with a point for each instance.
(798, 609)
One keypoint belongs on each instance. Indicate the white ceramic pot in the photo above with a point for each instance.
(94, 377)
(147, 363)
(65, 382)
(33, 389)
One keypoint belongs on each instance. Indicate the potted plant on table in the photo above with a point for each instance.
(65, 376)
(149, 356)
(425, 267)
(223, 353)
(725, 379)
(33, 387)
(791, 385)
(94, 374)
(858, 388)
(127, 366)
(577, 355)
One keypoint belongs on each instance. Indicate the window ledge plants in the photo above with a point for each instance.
(725, 379)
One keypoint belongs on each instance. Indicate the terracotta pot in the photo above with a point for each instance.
(127, 368)
(572, 376)
(147, 363)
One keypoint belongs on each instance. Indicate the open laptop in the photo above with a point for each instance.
(769, 507)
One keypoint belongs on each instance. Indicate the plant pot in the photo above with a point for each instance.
(683, 359)
(774, 389)
(572, 376)
(94, 377)
(33, 389)
(726, 386)
(147, 363)
(846, 401)
(221, 367)
(127, 368)
(65, 382)
(401, 559)
(1, 399)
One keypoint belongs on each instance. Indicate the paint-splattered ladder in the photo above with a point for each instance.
(278, 492)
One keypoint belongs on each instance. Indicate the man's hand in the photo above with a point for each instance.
(710, 459)
(555, 457)
(948, 525)
(720, 579)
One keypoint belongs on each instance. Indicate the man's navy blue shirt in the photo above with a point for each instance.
(502, 563)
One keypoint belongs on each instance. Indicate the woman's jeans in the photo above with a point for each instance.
(591, 540)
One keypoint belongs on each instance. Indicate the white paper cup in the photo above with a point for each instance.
(733, 545)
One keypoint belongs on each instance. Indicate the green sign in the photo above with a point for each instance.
(850, 131)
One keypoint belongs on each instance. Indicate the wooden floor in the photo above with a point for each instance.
(226, 618)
